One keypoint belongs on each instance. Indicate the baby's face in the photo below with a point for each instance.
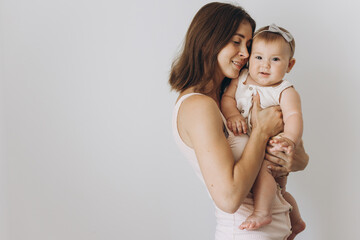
(269, 61)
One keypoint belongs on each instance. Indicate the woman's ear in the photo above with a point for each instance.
(291, 64)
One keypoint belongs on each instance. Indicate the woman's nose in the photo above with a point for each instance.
(244, 53)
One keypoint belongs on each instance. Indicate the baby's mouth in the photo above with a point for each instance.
(265, 73)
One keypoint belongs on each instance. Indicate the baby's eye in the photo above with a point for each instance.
(258, 57)
(276, 59)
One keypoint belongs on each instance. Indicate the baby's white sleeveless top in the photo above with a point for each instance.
(269, 96)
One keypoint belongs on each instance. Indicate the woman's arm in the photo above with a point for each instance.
(201, 127)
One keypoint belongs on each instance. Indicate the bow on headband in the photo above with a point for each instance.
(275, 29)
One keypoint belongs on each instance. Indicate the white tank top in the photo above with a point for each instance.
(227, 224)
(237, 144)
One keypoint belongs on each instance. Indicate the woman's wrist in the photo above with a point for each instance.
(262, 135)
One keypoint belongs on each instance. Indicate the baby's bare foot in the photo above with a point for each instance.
(256, 220)
(297, 228)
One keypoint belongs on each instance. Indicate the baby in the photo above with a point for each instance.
(271, 57)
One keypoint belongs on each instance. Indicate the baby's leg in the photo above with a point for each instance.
(297, 224)
(264, 191)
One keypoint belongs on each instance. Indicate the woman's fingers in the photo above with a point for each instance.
(281, 152)
(289, 150)
(256, 102)
(275, 159)
(268, 119)
(293, 159)
(278, 171)
(285, 159)
(282, 143)
(255, 109)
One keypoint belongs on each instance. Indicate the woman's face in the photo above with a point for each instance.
(235, 54)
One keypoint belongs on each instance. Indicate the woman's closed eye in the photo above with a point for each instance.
(236, 40)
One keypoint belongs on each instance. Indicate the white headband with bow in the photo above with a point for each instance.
(275, 29)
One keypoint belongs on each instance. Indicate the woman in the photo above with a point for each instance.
(215, 49)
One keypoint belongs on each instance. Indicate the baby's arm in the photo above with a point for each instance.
(291, 108)
(234, 120)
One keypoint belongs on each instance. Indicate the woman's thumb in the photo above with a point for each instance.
(256, 101)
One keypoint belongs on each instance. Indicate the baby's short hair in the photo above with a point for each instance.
(265, 34)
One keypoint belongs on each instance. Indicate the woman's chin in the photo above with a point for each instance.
(233, 74)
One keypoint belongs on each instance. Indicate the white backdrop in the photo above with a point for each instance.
(86, 143)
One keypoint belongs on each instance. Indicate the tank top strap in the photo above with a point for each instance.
(183, 98)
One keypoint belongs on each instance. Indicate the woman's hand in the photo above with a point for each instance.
(295, 159)
(268, 120)
(280, 143)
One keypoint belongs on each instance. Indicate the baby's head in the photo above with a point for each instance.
(271, 56)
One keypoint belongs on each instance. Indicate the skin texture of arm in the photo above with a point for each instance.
(201, 128)
(291, 108)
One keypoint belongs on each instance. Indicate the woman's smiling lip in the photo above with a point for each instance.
(239, 65)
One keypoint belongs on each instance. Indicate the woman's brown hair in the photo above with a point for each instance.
(210, 30)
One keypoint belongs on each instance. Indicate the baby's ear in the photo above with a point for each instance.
(291, 64)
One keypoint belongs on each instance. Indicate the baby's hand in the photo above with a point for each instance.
(237, 124)
(281, 143)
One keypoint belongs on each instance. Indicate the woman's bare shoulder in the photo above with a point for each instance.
(199, 105)
(200, 113)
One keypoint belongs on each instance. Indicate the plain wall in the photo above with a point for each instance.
(3, 161)
(86, 141)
